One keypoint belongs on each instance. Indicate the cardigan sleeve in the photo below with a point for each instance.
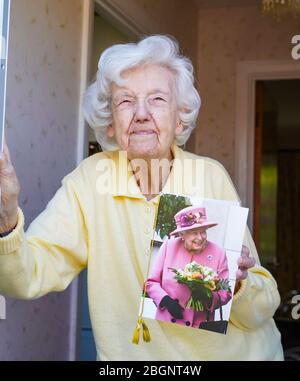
(256, 301)
(258, 298)
(51, 253)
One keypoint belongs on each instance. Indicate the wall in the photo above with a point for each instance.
(227, 36)
(105, 35)
(175, 17)
(42, 117)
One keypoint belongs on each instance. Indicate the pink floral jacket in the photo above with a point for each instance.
(161, 281)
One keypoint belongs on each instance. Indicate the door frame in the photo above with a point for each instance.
(124, 19)
(88, 9)
(247, 73)
(129, 24)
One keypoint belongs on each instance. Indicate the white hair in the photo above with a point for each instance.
(157, 49)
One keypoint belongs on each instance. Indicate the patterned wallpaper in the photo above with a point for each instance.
(42, 109)
(175, 17)
(227, 36)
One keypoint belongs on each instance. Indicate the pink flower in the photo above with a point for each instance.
(187, 220)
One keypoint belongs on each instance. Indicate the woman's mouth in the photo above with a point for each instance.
(143, 132)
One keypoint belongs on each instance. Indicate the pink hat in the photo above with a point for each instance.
(192, 217)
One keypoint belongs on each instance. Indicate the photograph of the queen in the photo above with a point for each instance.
(189, 280)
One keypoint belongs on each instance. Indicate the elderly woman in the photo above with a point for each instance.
(191, 246)
(143, 106)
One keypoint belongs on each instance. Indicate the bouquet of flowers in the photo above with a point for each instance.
(202, 281)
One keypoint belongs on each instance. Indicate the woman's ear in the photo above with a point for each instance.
(179, 128)
(110, 131)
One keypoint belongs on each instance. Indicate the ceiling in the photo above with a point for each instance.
(226, 3)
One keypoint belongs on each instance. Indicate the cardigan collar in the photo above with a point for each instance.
(125, 184)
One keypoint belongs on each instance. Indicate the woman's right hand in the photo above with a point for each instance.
(9, 192)
(172, 306)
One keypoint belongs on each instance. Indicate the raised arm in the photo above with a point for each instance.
(53, 250)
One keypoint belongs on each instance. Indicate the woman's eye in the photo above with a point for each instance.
(124, 101)
(158, 99)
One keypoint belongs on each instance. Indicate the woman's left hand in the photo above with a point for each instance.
(245, 262)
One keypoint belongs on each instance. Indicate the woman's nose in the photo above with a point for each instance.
(142, 112)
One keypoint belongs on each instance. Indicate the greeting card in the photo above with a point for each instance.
(191, 275)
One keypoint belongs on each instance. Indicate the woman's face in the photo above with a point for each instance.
(194, 239)
(145, 113)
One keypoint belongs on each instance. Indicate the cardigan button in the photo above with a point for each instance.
(173, 320)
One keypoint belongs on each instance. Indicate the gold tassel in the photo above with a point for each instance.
(146, 333)
(136, 334)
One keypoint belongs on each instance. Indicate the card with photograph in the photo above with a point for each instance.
(192, 273)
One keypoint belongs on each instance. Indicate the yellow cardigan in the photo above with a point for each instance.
(110, 233)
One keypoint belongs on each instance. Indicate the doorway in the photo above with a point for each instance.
(276, 192)
(277, 180)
